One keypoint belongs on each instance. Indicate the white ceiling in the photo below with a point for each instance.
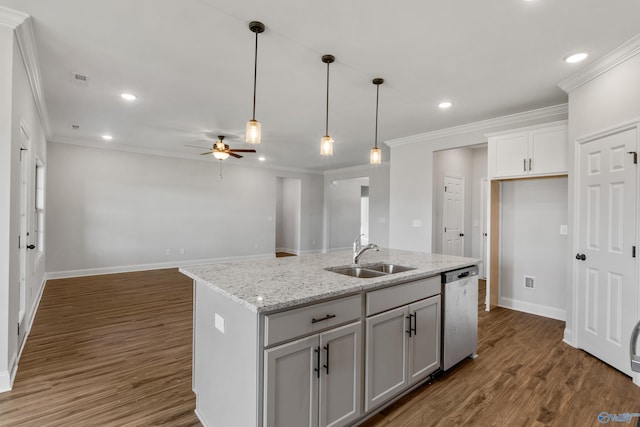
(190, 62)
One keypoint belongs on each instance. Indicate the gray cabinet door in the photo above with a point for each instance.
(291, 384)
(386, 356)
(341, 372)
(424, 344)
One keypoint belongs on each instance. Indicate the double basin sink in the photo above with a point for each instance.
(367, 271)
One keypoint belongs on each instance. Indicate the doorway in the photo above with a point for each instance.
(288, 212)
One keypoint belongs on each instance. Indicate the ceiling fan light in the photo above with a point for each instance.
(254, 132)
(375, 157)
(326, 146)
(220, 155)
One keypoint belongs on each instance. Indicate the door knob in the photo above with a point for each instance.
(581, 257)
(31, 246)
(461, 234)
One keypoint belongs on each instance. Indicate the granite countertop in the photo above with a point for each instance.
(273, 284)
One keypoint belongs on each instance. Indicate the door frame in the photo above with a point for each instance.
(635, 124)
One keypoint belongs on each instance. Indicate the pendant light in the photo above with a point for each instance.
(219, 151)
(254, 130)
(326, 142)
(375, 158)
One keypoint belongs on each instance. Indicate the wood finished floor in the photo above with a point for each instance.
(115, 350)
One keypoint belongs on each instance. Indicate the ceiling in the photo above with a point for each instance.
(190, 63)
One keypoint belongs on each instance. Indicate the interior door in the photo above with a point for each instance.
(606, 221)
(23, 241)
(453, 215)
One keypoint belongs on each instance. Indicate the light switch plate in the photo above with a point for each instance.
(219, 321)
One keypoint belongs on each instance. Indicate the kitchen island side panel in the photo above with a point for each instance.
(225, 364)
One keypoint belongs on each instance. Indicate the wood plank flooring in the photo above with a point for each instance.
(115, 350)
(112, 350)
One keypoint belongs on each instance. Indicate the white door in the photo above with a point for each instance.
(484, 202)
(340, 378)
(24, 241)
(386, 356)
(291, 384)
(453, 215)
(424, 342)
(606, 287)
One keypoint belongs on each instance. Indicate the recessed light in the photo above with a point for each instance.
(261, 158)
(444, 105)
(576, 57)
(107, 137)
(128, 96)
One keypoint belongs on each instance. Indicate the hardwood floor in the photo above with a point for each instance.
(115, 350)
(112, 350)
(283, 254)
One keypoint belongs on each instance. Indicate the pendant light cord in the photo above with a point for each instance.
(377, 98)
(326, 122)
(255, 77)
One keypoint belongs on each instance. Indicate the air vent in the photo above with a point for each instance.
(80, 79)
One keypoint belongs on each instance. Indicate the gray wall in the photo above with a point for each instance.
(110, 210)
(479, 171)
(344, 199)
(288, 215)
(532, 212)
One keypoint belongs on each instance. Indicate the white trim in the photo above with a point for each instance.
(359, 168)
(622, 53)
(511, 119)
(568, 337)
(311, 251)
(154, 266)
(27, 45)
(11, 18)
(531, 308)
(609, 131)
(559, 123)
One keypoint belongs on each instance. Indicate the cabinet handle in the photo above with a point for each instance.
(317, 368)
(410, 328)
(415, 323)
(529, 164)
(327, 317)
(326, 347)
(524, 165)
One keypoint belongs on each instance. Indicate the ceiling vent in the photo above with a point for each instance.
(80, 79)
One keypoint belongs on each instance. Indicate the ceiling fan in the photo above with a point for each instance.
(221, 151)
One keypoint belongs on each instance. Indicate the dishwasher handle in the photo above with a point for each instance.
(635, 358)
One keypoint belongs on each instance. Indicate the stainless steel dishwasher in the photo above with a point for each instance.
(459, 315)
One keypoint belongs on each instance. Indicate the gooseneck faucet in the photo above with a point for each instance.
(358, 249)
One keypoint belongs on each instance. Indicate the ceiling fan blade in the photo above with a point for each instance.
(207, 153)
(237, 156)
(241, 150)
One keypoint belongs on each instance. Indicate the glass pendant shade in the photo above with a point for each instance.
(220, 155)
(375, 157)
(254, 132)
(326, 146)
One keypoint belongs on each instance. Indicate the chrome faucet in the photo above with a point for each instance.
(358, 249)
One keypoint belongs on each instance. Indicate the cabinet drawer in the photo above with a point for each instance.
(300, 321)
(395, 296)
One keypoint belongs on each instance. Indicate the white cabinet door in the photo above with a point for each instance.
(291, 384)
(509, 154)
(548, 151)
(424, 343)
(386, 371)
(341, 373)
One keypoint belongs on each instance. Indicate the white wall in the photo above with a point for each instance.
(112, 211)
(345, 204)
(288, 215)
(479, 171)
(411, 182)
(17, 105)
(531, 245)
(607, 101)
(378, 200)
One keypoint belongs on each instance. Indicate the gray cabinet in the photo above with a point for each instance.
(403, 347)
(314, 381)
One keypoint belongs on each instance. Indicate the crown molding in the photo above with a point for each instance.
(622, 53)
(27, 45)
(11, 18)
(359, 168)
(483, 125)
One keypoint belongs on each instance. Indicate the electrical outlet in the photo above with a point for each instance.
(529, 282)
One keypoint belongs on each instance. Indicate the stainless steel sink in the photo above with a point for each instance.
(370, 270)
(356, 272)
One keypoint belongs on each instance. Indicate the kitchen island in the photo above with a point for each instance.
(284, 341)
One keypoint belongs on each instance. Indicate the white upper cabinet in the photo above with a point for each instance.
(533, 151)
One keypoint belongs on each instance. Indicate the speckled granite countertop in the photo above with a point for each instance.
(273, 284)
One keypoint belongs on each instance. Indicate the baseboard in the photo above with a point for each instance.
(312, 251)
(155, 266)
(531, 308)
(287, 250)
(202, 421)
(5, 381)
(568, 337)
